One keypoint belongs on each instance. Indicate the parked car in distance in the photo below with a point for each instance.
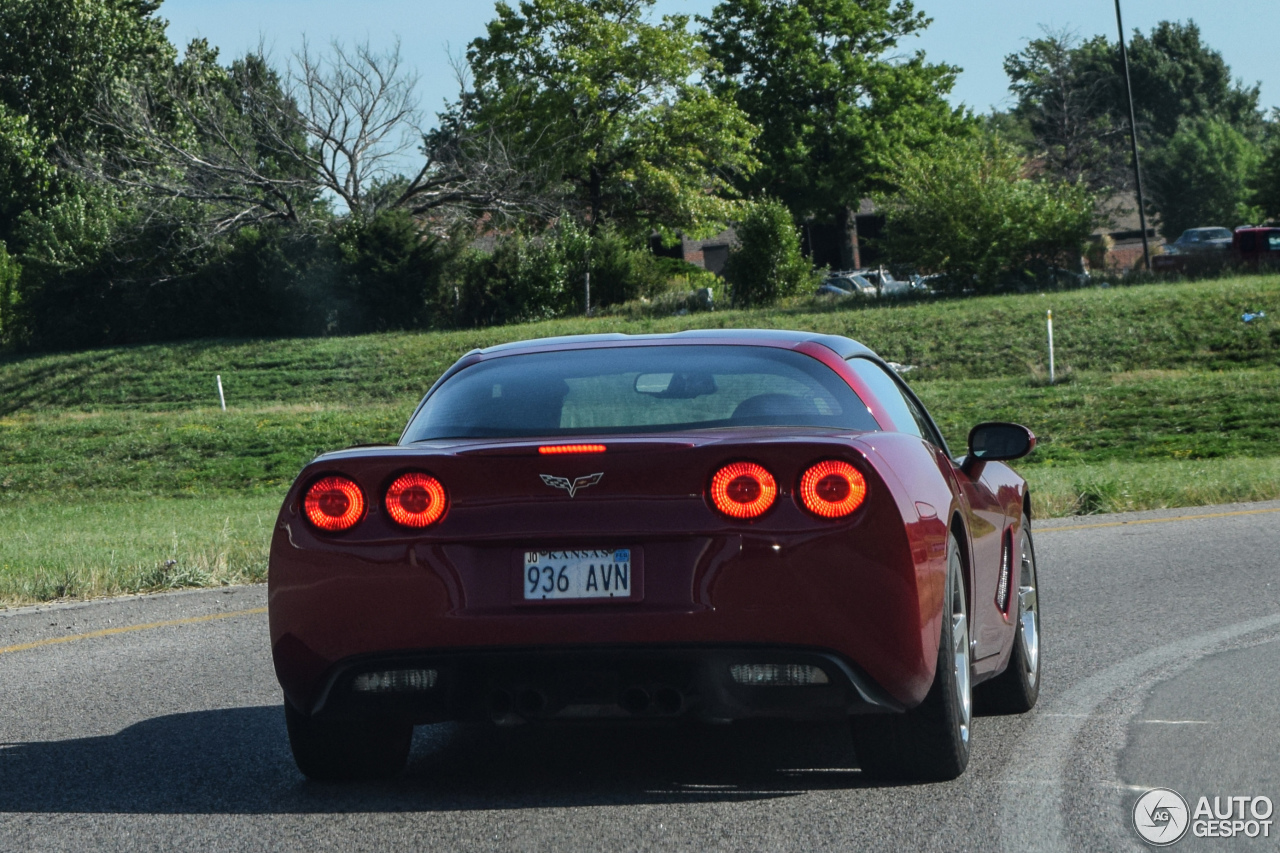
(885, 283)
(1253, 246)
(1202, 240)
(841, 284)
(866, 282)
(1195, 247)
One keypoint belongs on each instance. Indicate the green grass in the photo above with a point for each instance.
(59, 548)
(113, 462)
(1189, 326)
(180, 452)
(1128, 416)
(1124, 486)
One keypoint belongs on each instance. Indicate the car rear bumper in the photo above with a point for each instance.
(864, 592)
(510, 686)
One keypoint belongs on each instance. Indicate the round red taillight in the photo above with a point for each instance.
(416, 500)
(832, 489)
(743, 490)
(334, 504)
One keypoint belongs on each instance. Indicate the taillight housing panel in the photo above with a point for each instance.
(832, 488)
(416, 499)
(334, 503)
(743, 490)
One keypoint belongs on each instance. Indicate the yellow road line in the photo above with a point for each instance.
(125, 629)
(1154, 520)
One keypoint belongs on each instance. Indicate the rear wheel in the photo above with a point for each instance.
(931, 741)
(340, 750)
(1015, 690)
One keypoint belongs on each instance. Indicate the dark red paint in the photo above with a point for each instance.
(867, 588)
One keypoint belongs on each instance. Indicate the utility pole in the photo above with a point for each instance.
(1133, 137)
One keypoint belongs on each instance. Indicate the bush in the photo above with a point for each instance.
(9, 275)
(968, 208)
(392, 268)
(767, 265)
(1096, 252)
(270, 280)
(681, 275)
(521, 280)
(620, 271)
(537, 277)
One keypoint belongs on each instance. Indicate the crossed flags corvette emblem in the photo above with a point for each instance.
(571, 487)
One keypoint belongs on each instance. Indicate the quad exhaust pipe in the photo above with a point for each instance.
(635, 700)
(508, 708)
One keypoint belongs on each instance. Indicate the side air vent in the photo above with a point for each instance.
(1006, 569)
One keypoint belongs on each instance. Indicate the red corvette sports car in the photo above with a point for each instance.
(707, 526)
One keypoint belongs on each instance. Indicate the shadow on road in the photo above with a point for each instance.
(237, 761)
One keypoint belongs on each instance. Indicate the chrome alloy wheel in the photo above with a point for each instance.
(1028, 611)
(961, 651)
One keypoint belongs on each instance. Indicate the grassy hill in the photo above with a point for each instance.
(1154, 327)
(121, 472)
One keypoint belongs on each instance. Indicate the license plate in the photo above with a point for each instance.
(553, 575)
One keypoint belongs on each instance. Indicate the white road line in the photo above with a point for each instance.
(1031, 821)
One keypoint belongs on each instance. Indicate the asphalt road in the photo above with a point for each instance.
(154, 723)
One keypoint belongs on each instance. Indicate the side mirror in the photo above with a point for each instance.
(996, 442)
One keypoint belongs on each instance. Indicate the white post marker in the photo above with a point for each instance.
(1050, 347)
(221, 398)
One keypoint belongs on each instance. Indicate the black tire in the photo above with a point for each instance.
(343, 750)
(1015, 690)
(931, 741)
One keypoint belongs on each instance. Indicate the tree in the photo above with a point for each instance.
(59, 54)
(1070, 90)
(833, 102)
(608, 102)
(767, 265)
(247, 145)
(1177, 76)
(26, 175)
(1202, 176)
(1063, 89)
(206, 146)
(57, 57)
(968, 208)
(1266, 183)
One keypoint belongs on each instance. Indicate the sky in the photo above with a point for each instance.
(975, 35)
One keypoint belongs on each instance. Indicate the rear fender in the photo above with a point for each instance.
(926, 501)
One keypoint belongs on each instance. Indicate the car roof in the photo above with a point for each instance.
(842, 346)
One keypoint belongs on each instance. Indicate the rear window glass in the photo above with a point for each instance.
(638, 389)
